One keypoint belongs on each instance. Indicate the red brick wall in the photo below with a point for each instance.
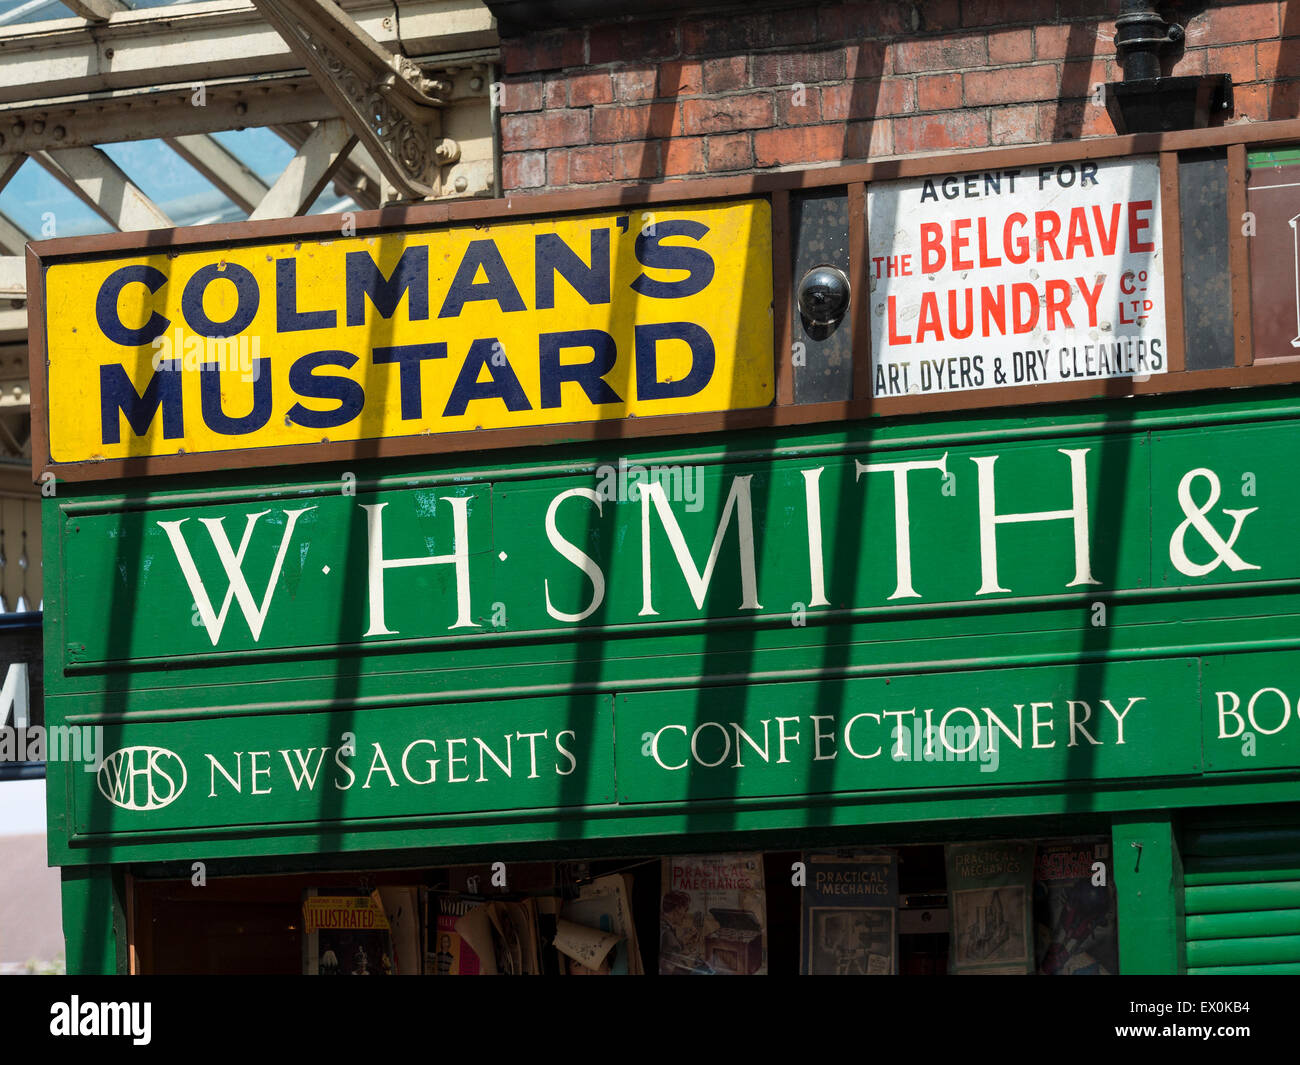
(815, 84)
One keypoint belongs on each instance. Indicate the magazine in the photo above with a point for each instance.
(989, 887)
(603, 906)
(346, 935)
(446, 952)
(1074, 909)
(713, 916)
(850, 915)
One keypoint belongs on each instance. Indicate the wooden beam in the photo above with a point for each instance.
(13, 277)
(357, 175)
(95, 10)
(308, 172)
(9, 164)
(1239, 258)
(12, 238)
(184, 44)
(95, 179)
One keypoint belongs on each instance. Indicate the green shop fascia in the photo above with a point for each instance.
(1076, 619)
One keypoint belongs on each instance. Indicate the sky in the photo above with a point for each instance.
(43, 208)
(22, 807)
(16, 11)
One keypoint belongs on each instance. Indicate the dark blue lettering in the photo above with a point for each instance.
(216, 419)
(364, 279)
(116, 393)
(648, 337)
(288, 319)
(502, 383)
(653, 253)
(247, 299)
(110, 324)
(499, 286)
(587, 374)
(409, 357)
(349, 395)
(552, 256)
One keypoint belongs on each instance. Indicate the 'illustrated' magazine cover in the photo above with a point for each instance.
(345, 935)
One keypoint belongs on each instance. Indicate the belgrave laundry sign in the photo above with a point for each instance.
(1015, 276)
(508, 324)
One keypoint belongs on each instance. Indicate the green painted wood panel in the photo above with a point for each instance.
(140, 585)
(785, 823)
(129, 651)
(210, 771)
(1272, 157)
(1148, 894)
(1255, 923)
(1285, 969)
(1223, 505)
(709, 539)
(1252, 722)
(93, 922)
(1236, 898)
(879, 643)
(1256, 950)
(1205, 874)
(997, 727)
(1245, 843)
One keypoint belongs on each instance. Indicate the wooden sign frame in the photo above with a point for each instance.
(778, 188)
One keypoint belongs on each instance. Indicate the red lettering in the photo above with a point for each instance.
(991, 303)
(1017, 248)
(958, 243)
(1135, 224)
(894, 338)
(1107, 240)
(1024, 323)
(1047, 226)
(929, 318)
(1079, 236)
(986, 260)
(955, 331)
(1090, 297)
(932, 253)
(1058, 299)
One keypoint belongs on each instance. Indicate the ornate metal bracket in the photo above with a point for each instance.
(395, 111)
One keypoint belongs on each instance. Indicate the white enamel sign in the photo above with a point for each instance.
(1018, 276)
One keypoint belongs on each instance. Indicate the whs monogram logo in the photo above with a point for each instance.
(142, 778)
(232, 561)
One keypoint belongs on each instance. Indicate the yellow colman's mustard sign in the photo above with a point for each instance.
(576, 319)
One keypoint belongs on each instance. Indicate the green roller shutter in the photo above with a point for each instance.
(1242, 897)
